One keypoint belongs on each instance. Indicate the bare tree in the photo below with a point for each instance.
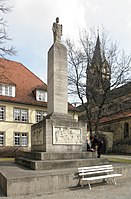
(4, 48)
(95, 68)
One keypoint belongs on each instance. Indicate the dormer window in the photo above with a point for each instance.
(7, 90)
(41, 95)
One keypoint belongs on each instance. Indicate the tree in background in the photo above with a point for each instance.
(96, 66)
(4, 38)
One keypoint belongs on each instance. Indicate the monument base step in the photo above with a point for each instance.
(56, 164)
(58, 156)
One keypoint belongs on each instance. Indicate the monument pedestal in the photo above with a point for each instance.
(58, 133)
(57, 143)
(53, 161)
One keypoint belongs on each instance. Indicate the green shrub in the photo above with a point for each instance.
(11, 152)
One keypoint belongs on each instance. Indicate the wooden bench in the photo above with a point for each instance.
(93, 173)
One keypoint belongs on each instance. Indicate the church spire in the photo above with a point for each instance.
(99, 71)
(97, 59)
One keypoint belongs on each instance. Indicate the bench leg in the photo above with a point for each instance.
(89, 186)
(107, 180)
(114, 181)
(104, 180)
(78, 184)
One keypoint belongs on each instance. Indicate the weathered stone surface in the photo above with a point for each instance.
(58, 156)
(45, 161)
(58, 164)
(57, 79)
(68, 129)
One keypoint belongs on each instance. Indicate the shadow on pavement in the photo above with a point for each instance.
(2, 194)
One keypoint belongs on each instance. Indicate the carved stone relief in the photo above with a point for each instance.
(37, 136)
(66, 135)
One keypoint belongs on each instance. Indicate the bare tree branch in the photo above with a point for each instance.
(94, 70)
(4, 38)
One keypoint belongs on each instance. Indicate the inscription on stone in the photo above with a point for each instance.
(37, 136)
(66, 135)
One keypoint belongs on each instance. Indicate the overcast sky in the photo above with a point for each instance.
(30, 25)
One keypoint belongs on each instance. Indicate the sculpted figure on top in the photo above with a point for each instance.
(57, 30)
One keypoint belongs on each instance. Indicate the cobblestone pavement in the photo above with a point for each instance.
(105, 191)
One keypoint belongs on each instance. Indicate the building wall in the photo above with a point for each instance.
(120, 144)
(9, 126)
(9, 129)
(117, 127)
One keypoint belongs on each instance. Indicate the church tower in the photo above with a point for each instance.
(99, 71)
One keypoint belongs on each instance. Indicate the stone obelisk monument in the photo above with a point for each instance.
(58, 140)
(57, 73)
(58, 132)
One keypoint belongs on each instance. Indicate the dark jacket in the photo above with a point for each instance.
(96, 142)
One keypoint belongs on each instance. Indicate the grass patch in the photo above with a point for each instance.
(6, 159)
(119, 160)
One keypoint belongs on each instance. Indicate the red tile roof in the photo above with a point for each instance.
(5, 80)
(116, 116)
(26, 82)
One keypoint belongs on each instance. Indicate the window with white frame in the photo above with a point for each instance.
(20, 115)
(41, 95)
(2, 138)
(17, 139)
(24, 115)
(7, 90)
(39, 115)
(20, 139)
(24, 139)
(2, 113)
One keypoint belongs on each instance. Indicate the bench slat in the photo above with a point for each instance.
(92, 172)
(101, 177)
(93, 167)
(100, 169)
